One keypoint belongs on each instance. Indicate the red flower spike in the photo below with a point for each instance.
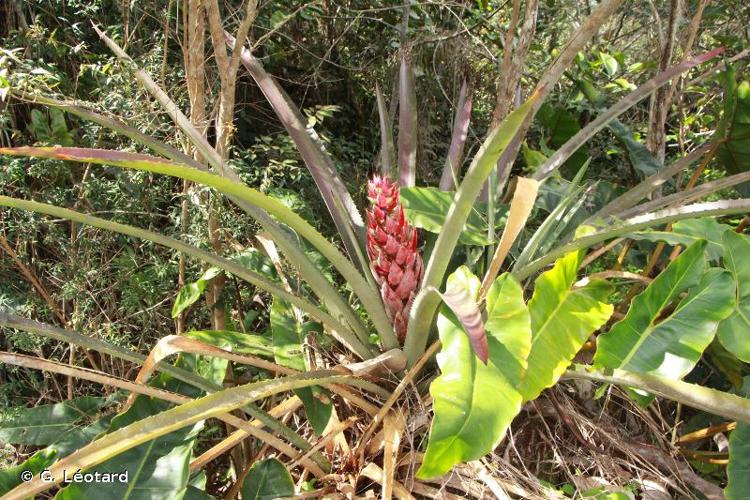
(392, 246)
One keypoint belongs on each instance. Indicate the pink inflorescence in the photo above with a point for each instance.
(392, 246)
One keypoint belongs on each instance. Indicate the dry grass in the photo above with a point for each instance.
(565, 437)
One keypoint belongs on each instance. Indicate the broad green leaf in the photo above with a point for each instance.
(287, 348)
(196, 488)
(243, 343)
(158, 468)
(733, 132)
(561, 125)
(610, 63)
(287, 344)
(267, 480)
(191, 292)
(646, 342)
(738, 469)
(69, 440)
(277, 18)
(508, 326)
(50, 127)
(532, 158)
(254, 260)
(427, 208)
(734, 331)
(562, 318)
(640, 157)
(687, 232)
(475, 403)
(724, 362)
(43, 425)
(80, 435)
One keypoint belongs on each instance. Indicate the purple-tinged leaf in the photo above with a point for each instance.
(115, 124)
(467, 311)
(407, 124)
(345, 215)
(605, 117)
(86, 155)
(387, 149)
(452, 167)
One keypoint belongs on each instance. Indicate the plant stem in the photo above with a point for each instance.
(725, 207)
(703, 398)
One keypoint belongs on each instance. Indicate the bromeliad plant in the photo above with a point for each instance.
(497, 350)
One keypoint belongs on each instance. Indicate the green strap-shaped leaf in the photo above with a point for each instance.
(562, 318)
(155, 426)
(267, 205)
(158, 468)
(475, 403)
(734, 331)
(267, 480)
(645, 342)
(191, 292)
(687, 232)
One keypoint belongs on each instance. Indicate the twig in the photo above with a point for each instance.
(378, 418)
(706, 432)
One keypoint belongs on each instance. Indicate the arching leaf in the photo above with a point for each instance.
(185, 415)
(687, 232)
(158, 468)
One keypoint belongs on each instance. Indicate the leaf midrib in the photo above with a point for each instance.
(652, 328)
(473, 366)
(643, 336)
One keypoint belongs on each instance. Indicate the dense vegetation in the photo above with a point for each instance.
(543, 293)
